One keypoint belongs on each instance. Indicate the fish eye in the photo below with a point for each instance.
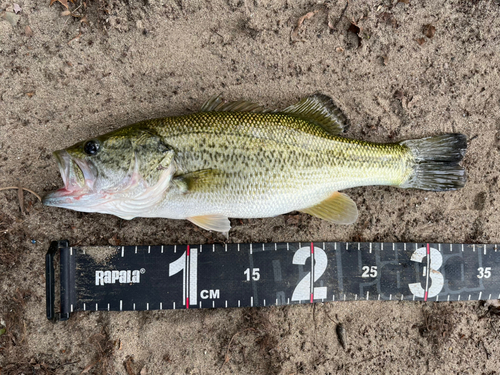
(91, 147)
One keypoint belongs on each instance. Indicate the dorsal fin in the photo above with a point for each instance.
(320, 110)
(217, 104)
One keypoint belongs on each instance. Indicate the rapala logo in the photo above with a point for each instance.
(122, 277)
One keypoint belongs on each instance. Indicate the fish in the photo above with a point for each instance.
(238, 160)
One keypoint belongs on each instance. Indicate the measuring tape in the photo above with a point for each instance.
(124, 278)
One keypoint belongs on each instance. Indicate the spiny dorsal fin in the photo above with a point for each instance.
(320, 110)
(217, 104)
(338, 209)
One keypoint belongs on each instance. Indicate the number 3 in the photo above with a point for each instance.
(437, 279)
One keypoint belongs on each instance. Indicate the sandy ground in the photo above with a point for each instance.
(63, 80)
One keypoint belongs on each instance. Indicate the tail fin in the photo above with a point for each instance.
(437, 159)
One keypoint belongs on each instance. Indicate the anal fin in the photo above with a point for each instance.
(217, 223)
(338, 209)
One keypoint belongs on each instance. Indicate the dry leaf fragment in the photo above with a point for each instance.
(63, 2)
(420, 41)
(306, 16)
(301, 20)
(404, 1)
(429, 30)
(30, 94)
(28, 31)
(128, 365)
(65, 13)
(17, 8)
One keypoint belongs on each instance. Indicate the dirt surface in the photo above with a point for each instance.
(399, 70)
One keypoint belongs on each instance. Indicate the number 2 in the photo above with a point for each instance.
(302, 291)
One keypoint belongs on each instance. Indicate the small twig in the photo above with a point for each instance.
(87, 369)
(69, 363)
(341, 15)
(20, 196)
(472, 138)
(227, 358)
(328, 316)
(17, 187)
(75, 38)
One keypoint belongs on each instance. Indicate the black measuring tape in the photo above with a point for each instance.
(124, 278)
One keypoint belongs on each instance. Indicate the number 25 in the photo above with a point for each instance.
(369, 271)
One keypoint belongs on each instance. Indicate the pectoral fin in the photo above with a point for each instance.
(201, 180)
(217, 223)
(338, 209)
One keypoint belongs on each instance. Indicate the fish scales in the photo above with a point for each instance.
(269, 161)
(212, 165)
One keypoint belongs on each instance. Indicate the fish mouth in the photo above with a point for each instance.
(78, 178)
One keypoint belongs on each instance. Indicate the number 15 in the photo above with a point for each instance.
(255, 274)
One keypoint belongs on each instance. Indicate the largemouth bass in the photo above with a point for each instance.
(235, 160)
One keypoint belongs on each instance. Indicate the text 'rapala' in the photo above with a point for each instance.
(122, 277)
